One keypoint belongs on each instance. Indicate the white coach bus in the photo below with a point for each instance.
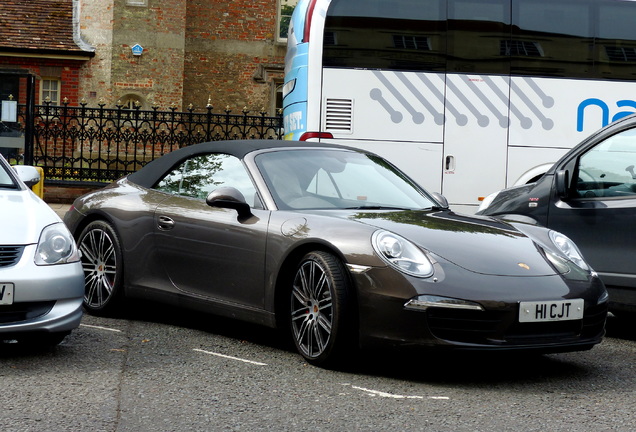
(466, 96)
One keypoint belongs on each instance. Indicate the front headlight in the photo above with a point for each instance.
(402, 254)
(56, 246)
(569, 249)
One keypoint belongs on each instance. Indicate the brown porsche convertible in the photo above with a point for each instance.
(335, 246)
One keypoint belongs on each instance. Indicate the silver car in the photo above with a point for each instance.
(41, 277)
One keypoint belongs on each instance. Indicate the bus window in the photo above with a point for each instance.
(552, 38)
(374, 34)
(616, 44)
(476, 29)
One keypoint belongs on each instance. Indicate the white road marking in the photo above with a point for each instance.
(100, 328)
(230, 357)
(395, 396)
(385, 395)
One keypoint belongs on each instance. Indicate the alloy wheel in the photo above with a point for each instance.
(312, 311)
(100, 258)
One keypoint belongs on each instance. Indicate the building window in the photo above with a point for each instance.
(50, 90)
(132, 101)
(276, 97)
(285, 9)
(140, 3)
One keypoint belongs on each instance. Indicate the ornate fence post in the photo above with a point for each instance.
(29, 120)
(208, 122)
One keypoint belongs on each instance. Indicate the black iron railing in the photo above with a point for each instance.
(88, 144)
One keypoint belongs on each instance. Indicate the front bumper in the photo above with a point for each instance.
(385, 318)
(60, 316)
(45, 298)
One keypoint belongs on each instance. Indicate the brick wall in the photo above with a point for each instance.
(226, 43)
(96, 27)
(69, 75)
(66, 194)
(193, 50)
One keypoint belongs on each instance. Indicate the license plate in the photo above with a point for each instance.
(558, 310)
(6, 293)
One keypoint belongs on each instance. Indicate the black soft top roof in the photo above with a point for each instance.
(151, 173)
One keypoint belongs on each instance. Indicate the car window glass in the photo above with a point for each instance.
(609, 168)
(346, 185)
(5, 179)
(198, 176)
(304, 179)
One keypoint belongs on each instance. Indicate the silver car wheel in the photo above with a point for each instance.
(101, 256)
(318, 302)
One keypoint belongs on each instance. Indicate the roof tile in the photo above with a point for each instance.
(37, 25)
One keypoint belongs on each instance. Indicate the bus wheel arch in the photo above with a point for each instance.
(533, 174)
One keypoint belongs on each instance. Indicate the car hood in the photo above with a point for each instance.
(22, 217)
(479, 244)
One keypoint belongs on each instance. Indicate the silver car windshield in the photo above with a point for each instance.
(337, 179)
(5, 179)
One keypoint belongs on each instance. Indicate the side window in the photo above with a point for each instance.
(5, 179)
(198, 176)
(615, 48)
(552, 38)
(477, 29)
(378, 34)
(609, 168)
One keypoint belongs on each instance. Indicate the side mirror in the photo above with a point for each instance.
(562, 184)
(441, 199)
(230, 198)
(29, 175)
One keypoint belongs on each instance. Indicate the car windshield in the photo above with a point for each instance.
(5, 179)
(333, 178)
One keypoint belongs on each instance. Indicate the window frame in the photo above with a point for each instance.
(182, 173)
(137, 3)
(54, 101)
(611, 189)
(280, 16)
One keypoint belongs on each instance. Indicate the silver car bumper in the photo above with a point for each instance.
(45, 298)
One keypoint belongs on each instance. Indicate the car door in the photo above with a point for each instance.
(210, 252)
(600, 211)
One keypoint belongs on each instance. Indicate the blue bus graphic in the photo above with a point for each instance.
(605, 111)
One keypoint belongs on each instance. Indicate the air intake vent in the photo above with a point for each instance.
(10, 255)
(339, 115)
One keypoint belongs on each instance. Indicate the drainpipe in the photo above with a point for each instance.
(77, 35)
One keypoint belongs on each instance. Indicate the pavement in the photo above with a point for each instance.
(60, 209)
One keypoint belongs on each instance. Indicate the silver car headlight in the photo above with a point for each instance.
(401, 254)
(56, 246)
(569, 249)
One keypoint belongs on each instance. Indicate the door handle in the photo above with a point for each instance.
(449, 165)
(165, 223)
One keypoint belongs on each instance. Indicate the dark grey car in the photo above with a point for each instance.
(336, 246)
(589, 195)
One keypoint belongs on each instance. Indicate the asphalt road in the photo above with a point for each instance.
(162, 369)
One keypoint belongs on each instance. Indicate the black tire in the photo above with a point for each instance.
(321, 321)
(103, 271)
